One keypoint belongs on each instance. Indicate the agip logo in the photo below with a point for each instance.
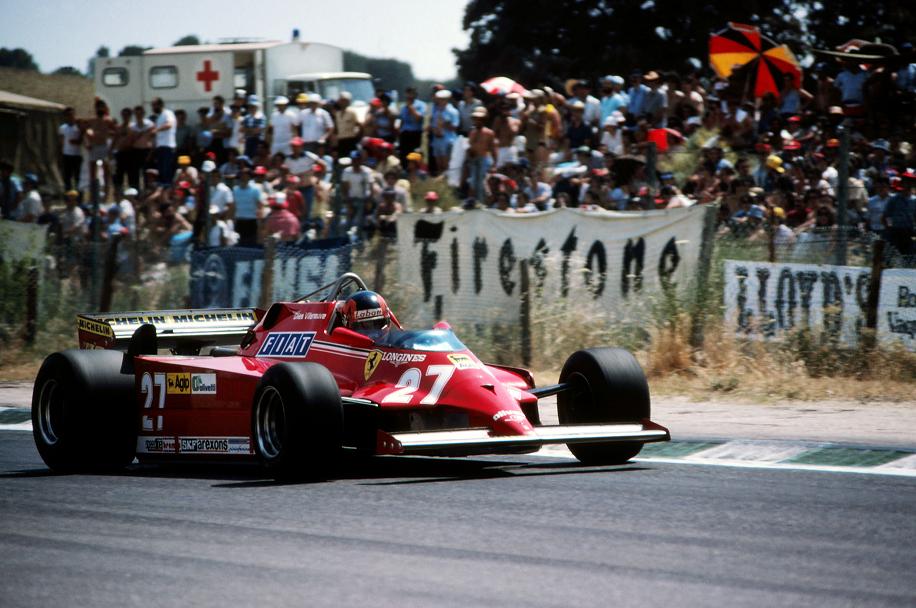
(178, 384)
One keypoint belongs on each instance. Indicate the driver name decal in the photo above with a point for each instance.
(293, 344)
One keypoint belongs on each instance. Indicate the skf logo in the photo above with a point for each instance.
(178, 384)
(372, 361)
(286, 344)
(462, 361)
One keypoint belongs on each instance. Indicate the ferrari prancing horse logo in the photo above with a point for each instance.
(372, 361)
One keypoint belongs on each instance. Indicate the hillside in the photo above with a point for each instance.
(75, 91)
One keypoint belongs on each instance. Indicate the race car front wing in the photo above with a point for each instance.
(483, 441)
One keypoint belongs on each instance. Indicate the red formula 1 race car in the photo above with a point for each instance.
(299, 384)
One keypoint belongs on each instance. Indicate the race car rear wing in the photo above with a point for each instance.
(178, 330)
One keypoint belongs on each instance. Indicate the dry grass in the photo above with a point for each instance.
(76, 91)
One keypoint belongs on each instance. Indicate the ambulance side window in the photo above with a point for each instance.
(163, 77)
(114, 77)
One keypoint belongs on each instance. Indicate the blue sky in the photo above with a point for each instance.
(59, 33)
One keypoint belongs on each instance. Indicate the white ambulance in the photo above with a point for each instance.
(188, 77)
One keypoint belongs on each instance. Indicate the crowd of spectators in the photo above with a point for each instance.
(313, 167)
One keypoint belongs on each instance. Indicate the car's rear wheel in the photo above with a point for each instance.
(297, 421)
(83, 412)
(608, 385)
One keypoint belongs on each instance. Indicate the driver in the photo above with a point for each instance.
(365, 312)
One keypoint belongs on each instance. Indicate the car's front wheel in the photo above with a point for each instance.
(297, 420)
(607, 385)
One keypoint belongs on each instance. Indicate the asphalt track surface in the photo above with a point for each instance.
(501, 531)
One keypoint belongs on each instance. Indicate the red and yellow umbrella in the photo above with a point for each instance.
(765, 63)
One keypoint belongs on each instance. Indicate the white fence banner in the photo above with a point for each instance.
(897, 308)
(466, 265)
(765, 300)
(21, 241)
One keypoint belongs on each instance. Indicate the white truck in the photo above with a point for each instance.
(188, 77)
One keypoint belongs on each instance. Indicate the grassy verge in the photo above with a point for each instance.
(802, 367)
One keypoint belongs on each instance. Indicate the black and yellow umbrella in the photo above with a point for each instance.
(763, 61)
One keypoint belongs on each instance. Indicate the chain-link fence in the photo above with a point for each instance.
(522, 296)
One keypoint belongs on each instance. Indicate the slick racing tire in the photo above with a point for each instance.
(608, 385)
(297, 421)
(83, 411)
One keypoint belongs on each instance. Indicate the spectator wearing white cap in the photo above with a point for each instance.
(443, 126)
(218, 192)
(315, 123)
(254, 125)
(282, 127)
(127, 212)
(348, 127)
(612, 98)
(612, 133)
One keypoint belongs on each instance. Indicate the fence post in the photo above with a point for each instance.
(704, 264)
(111, 265)
(525, 312)
(381, 258)
(842, 195)
(648, 201)
(874, 289)
(267, 277)
(31, 305)
(771, 237)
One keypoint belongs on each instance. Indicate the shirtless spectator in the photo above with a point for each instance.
(122, 145)
(506, 128)
(141, 130)
(99, 132)
(481, 152)
(541, 126)
(219, 123)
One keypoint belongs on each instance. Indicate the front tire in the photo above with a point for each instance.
(608, 385)
(297, 421)
(83, 414)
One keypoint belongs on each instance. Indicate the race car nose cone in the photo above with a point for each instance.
(510, 422)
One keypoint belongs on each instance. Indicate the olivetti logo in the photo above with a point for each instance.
(286, 344)
(203, 384)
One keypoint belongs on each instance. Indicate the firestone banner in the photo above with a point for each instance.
(467, 266)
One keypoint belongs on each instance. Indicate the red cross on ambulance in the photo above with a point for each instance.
(208, 75)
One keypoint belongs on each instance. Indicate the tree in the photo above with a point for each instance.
(391, 73)
(67, 70)
(833, 23)
(189, 40)
(548, 41)
(17, 58)
(132, 50)
(101, 52)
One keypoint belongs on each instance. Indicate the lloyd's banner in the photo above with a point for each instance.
(897, 308)
(466, 266)
(765, 300)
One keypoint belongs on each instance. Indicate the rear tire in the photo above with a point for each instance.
(83, 411)
(297, 421)
(608, 386)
